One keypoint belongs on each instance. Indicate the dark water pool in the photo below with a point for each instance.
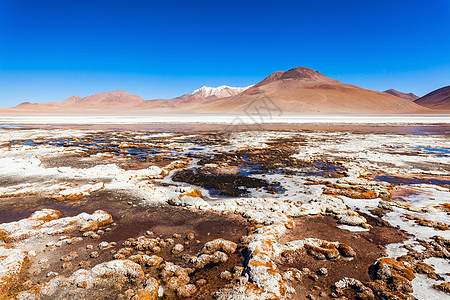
(439, 152)
(407, 181)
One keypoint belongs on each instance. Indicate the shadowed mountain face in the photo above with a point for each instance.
(438, 99)
(296, 91)
(305, 91)
(409, 96)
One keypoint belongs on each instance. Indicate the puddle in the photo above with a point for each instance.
(408, 181)
(226, 185)
(439, 152)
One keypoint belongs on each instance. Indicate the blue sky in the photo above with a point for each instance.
(50, 50)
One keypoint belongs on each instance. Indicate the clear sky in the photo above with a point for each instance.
(50, 50)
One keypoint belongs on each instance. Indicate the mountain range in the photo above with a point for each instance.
(297, 91)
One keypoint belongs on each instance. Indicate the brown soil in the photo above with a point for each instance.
(368, 245)
(134, 221)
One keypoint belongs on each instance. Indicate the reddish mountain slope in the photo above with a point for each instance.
(305, 91)
(438, 99)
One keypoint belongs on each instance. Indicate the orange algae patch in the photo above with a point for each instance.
(195, 193)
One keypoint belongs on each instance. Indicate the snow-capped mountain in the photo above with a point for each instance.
(218, 92)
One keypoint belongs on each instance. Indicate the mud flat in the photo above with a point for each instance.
(286, 212)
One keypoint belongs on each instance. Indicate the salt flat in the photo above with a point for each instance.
(276, 214)
(258, 119)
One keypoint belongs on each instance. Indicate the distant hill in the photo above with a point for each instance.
(438, 99)
(101, 101)
(409, 96)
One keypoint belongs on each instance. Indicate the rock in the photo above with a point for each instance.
(145, 260)
(50, 244)
(201, 282)
(353, 220)
(75, 240)
(12, 261)
(247, 291)
(292, 274)
(150, 292)
(423, 268)
(28, 284)
(154, 261)
(401, 284)
(385, 268)
(362, 291)
(313, 277)
(218, 257)
(145, 244)
(43, 260)
(83, 264)
(346, 250)
(94, 236)
(201, 261)
(94, 254)
(70, 256)
(323, 271)
(129, 293)
(226, 275)
(186, 291)
(52, 274)
(105, 245)
(445, 287)
(61, 243)
(174, 276)
(123, 253)
(196, 202)
(178, 248)
(190, 236)
(238, 270)
(204, 259)
(323, 251)
(119, 268)
(393, 275)
(176, 235)
(156, 249)
(219, 245)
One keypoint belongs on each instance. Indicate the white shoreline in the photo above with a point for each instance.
(229, 119)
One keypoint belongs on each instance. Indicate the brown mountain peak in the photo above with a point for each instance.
(302, 73)
(298, 73)
(409, 96)
(24, 104)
